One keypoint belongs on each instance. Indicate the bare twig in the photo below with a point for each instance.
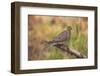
(70, 50)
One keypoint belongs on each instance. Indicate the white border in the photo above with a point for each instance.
(25, 64)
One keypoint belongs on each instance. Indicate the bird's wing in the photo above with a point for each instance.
(61, 37)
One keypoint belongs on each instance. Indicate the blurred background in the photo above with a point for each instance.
(45, 28)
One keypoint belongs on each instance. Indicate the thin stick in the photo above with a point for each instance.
(70, 51)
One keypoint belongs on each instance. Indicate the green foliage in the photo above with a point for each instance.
(55, 53)
(78, 41)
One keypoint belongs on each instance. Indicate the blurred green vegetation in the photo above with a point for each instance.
(44, 30)
(78, 41)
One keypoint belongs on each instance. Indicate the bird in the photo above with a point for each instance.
(62, 37)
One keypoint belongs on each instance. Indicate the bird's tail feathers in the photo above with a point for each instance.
(50, 42)
(47, 42)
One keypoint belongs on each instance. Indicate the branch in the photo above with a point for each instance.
(70, 50)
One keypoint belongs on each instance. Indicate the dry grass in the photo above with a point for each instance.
(45, 28)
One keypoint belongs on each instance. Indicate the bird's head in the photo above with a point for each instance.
(69, 28)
